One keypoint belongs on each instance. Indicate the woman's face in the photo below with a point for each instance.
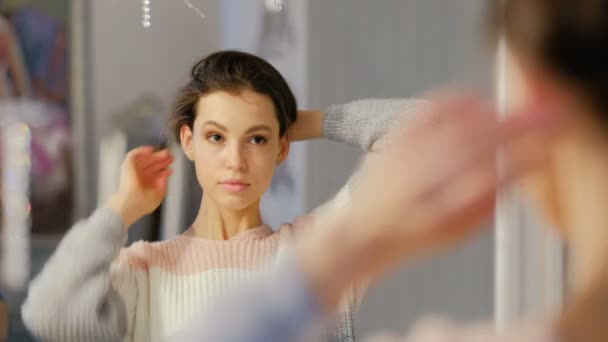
(235, 146)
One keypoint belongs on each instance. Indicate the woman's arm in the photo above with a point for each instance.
(73, 298)
(361, 122)
(82, 294)
(308, 126)
(365, 122)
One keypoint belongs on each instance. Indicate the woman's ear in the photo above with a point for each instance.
(283, 149)
(185, 139)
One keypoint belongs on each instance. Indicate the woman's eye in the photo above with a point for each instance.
(258, 140)
(215, 138)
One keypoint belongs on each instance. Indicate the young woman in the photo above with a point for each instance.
(234, 120)
(555, 141)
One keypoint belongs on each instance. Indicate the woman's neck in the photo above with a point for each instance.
(584, 197)
(216, 223)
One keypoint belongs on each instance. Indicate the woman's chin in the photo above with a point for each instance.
(233, 202)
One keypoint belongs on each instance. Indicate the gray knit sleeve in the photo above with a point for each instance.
(364, 122)
(72, 298)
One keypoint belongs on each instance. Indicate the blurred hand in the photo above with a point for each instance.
(436, 179)
(143, 183)
(431, 185)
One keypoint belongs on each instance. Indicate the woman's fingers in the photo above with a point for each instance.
(160, 164)
(462, 141)
(445, 175)
(140, 154)
(145, 157)
(150, 163)
(461, 203)
(162, 179)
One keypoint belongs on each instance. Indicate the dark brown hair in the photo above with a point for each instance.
(569, 37)
(233, 71)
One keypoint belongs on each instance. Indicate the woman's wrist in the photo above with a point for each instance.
(120, 204)
(345, 250)
(308, 126)
(331, 261)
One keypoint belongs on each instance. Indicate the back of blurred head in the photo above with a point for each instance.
(559, 59)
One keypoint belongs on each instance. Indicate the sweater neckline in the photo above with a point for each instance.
(255, 232)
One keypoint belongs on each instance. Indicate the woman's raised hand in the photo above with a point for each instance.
(143, 183)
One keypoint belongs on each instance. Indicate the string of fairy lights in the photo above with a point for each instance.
(146, 16)
(271, 5)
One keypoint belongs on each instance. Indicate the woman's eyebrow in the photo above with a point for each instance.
(258, 128)
(214, 123)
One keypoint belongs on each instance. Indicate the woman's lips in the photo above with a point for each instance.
(234, 186)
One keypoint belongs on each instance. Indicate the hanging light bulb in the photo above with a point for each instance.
(274, 5)
(145, 10)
